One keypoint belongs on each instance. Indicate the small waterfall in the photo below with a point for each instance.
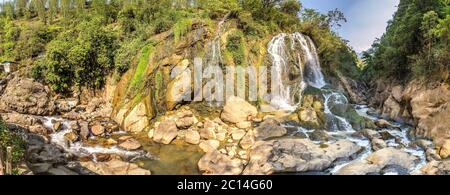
(313, 73)
(278, 51)
(301, 56)
(336, 123)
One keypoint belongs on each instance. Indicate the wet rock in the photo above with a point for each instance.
(130, 144)
(394, 170)
(20, 119)
(424, 144)
(320, 135)
(111, 141)
(61, 170)
(432, 155)
(238, 110)
(72, 115)
(270, 128)
(192, 137)
(23, 95)
(38, 129)
(381, 123)
(165, 132)
(237, 134)
(56, 126)
(391, 156)
(151, 133)
(84, 130)
(180, 87)
(358, 168)
(71, 136)
(378, 144)
(97, 130)
(209, 145)
(436, 168)
(296, 155)
(115, 167)
(385, 135)
(370, 134)
(215, 163)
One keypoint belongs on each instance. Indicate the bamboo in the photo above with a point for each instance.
(9, 160)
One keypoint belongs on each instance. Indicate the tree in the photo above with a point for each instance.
(53, 9)
(21, 7)
(429, 22)
(335, 17)
(291, 7)
(41, 10)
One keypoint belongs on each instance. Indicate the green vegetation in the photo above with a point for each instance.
(68, 43)
(8, 138)
(416, 44)
(144, 59)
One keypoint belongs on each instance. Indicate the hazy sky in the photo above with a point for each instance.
(366, 19)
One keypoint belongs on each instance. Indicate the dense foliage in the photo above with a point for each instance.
(416, 44)
(8, 138)
(78, 42)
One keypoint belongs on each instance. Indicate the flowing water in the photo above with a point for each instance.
(180, 158)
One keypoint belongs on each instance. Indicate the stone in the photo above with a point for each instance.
(381, 123)
(151, 133)
(237, 110)
(208, 130)
(370, 134)
(165, 132)
(130, 144)
(270, 128)
(296, 155)
(180, 87)
(358, 168)
(247, 141)
(244, 125)
(136, 120)
(444, 150)
(115, 167)
(221, 134)
(61, 170)
(125, 138)
(238, 134)
(431, 155)
(308, 116)
(216, 163)
(38, 129)
(56, 126)
(391, 156)
(209, 145)
(84, 130)
(111, 141)
(66, 105)
(378, 144)
(192, 137)
(71, 136)
(97, 130)
(185, 123)
(436, 168)
(25, 96)
(320, 135)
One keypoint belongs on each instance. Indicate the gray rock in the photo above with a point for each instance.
(270, 128)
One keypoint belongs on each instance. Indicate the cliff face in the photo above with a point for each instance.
(426, 106)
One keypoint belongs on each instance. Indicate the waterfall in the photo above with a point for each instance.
(301, 56)
(313, 73)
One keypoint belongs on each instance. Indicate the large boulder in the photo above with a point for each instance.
(165, 132)
(392, 156)
(136, 120)
(130, 144)
(237, 110)
(215, 163)
(444, 150)
(436, 168)
(270, 128)
(26, 96)
(296, 155)
(180, 88)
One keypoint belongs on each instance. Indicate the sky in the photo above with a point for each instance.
(366, 19)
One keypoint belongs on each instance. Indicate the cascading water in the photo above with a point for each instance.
(301, 56)
(313, 73)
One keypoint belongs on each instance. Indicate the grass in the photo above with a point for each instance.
(182, 27)
(144, 59)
